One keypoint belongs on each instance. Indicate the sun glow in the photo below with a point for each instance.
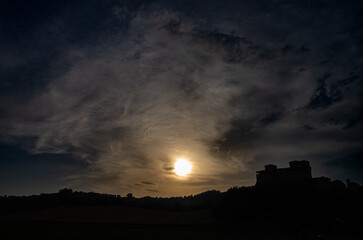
(182, 167)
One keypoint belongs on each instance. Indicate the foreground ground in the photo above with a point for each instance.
(118, 222)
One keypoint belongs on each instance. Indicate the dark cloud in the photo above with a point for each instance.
(355, 121)
(152, 190)
(121, 89)
(324, 97)
(234, 49)
(308, 127)
(148, 183)
(273, 117)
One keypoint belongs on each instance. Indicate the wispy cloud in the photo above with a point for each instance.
(173, 86)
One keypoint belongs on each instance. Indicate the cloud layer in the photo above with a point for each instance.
(229, 94)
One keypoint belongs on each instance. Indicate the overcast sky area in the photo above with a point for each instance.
(105, 95)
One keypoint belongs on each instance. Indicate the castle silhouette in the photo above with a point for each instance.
(298, 174)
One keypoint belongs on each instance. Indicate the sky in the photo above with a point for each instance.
(105, 96)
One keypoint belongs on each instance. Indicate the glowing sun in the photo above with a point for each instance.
(182, 167)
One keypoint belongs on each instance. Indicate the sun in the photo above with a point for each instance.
(182, 167)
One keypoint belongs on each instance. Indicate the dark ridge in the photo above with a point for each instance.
(286, 200)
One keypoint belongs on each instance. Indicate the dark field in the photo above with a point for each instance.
(305, 212)
(77, 230)
(119, 222)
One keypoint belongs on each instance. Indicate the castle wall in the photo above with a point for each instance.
(299, 171)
